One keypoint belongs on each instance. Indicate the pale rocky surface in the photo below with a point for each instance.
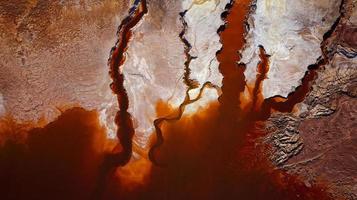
(57, 58)
(291, 33)
(203, 20)
(156, 74)
(2, 107)
(54, 56)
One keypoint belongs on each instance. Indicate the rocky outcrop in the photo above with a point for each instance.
(56, 57)
(318, 140)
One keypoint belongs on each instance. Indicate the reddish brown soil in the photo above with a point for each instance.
(330, 147)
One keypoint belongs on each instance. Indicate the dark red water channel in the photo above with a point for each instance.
(209, 155)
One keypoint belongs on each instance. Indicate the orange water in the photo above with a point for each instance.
(210, 155)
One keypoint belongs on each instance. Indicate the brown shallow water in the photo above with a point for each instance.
(207, 158)
(209, 155)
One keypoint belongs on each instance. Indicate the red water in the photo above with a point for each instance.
(207, 155)
(210, 155)
(59, 161)
(123, 118)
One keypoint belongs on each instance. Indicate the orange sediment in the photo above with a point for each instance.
(209, 155)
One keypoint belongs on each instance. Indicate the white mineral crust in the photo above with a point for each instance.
(2, 107)
(203, 18)
(291, 32)
(154, 67)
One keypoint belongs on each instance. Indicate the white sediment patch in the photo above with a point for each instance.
(203, 19)
(291, 32)
(154, 67)
(2, 106)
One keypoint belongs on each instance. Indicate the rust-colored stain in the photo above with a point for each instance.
(209, 155)
(123, 118)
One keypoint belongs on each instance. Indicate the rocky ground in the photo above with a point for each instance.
(319, 141)
(55, 55)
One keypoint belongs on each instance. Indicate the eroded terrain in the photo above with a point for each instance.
(192, 99)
